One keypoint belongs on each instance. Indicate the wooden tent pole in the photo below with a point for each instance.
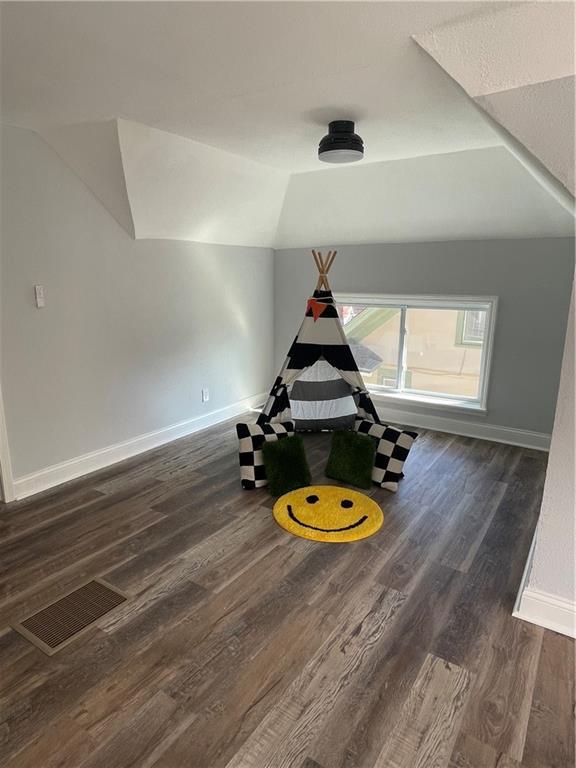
(323, 273)
(323, 266)
(319, 268)
(324, 279)
(316, 260)
(331, 258)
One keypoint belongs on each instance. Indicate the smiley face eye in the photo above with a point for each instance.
(346, 503)
(312, 499)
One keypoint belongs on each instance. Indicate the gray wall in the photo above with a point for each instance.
(532, 279)
(132, 330)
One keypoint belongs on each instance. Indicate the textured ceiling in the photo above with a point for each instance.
(518, 63)
(261, 80)
(541, 116)
(200, 121)
(513, 45)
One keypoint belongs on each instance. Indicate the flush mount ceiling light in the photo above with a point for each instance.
(341, 144)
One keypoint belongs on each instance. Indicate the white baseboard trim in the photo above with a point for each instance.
(467, 428)
(56, 474)
(547, 611)
(44, 479)
(6, 476)
(542, 608)
(525, 573)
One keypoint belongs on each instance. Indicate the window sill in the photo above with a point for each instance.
(397, 398)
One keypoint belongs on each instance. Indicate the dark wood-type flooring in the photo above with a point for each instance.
(245, 647)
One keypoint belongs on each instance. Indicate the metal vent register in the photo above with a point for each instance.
(53, 627)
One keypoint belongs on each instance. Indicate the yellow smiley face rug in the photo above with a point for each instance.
(328, 513)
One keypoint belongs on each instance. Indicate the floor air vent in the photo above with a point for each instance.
(63, 621)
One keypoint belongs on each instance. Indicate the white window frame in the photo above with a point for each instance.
(403, 302)
(471, 341)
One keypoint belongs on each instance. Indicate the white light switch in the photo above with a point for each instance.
(39, 296)
(205, 395)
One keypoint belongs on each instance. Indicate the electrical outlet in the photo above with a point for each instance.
(205, 395)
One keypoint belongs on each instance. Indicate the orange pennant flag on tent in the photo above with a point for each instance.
(317, 308)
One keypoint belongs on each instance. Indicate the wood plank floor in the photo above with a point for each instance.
(244, 647)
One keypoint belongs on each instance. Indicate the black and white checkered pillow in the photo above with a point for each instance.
(251, 438)
(392, 451)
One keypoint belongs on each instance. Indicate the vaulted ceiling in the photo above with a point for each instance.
(201, 121)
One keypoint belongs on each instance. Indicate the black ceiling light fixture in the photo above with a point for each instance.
(341, 144)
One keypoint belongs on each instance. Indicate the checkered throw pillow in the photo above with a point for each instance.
(392, 451)
(251, 438)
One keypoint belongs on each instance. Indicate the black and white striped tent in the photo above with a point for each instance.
(319, 386)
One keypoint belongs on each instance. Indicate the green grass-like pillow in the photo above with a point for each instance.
(351, 459)
(286, 465)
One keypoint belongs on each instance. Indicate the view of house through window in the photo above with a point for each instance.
(436, 349)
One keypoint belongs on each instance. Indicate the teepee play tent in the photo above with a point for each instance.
(319, 386)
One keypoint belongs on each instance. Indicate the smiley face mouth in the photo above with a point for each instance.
(293, 517)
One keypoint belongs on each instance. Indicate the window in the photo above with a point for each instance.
(430, 350)
(470, 327)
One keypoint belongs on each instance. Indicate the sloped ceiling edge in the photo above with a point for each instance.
(185, 190)
(92, 151)
(502, 59)
(470, 195)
